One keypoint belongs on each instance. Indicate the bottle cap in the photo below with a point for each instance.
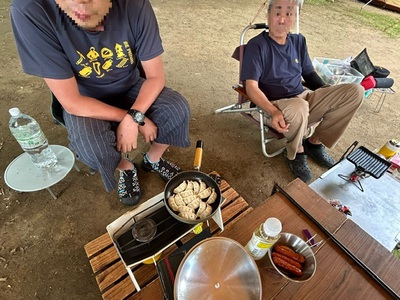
(272, 227)
(14, 111)
(394, 143)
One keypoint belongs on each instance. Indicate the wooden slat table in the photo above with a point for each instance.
(337, 275)
(111, 275)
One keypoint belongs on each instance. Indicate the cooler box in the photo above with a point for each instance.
(336, 71)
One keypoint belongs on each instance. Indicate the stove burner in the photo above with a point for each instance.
(144, 230)
(367, 164)
(355, 177)
(167, 229)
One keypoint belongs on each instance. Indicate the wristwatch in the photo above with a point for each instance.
(137, 116)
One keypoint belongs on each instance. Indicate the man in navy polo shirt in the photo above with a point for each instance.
(274, 65)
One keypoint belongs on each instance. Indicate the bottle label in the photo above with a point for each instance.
(263, 245)
(28, 141)
(258, 243)
(258, 247)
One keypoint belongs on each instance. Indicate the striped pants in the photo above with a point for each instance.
(94, 141)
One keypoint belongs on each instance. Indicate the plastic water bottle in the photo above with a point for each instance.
(32, 140)
(264, 237)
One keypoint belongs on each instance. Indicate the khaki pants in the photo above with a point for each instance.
(332, 107)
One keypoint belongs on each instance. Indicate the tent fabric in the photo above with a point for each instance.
(393, 5)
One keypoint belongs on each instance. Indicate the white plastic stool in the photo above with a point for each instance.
(21, 175)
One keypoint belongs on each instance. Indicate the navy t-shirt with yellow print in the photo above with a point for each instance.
(277, 68)
(104, 63)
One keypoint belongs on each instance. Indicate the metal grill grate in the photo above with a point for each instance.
(368, 162)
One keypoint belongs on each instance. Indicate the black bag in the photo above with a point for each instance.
(363, 64)
(380, 72)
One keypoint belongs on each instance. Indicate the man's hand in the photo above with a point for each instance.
(278, 122)
(127, 134)
(149, 130)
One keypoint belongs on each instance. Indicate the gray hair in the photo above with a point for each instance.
(296, 2)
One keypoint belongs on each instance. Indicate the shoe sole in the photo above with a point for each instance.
(127, 202)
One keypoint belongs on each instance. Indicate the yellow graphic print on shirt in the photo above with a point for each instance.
(102, 61)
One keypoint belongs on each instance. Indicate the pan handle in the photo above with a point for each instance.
(199, 155)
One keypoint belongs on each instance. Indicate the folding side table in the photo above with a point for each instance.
(21, 175)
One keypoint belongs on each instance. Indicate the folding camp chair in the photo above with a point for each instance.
(244, 104)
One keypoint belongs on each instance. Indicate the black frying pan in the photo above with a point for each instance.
(195, 176)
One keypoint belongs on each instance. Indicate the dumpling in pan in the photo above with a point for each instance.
(212, 197)
(180, 188)
(206, 212)
(172, 203)
(194, 203)
(188, 215)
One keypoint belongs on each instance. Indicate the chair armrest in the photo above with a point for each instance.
(241, 90)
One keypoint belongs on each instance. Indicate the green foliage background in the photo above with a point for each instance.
(387, 24)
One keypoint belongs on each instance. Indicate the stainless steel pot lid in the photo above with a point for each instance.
(217, 268)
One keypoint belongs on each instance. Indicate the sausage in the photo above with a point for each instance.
(287, 266)
(288, 259)
(290, 253)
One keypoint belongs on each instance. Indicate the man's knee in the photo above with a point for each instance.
(297, 111)
(87, 135)
(359, 93)
(183, 107)
(355, 93)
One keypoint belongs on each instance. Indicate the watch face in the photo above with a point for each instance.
(137, 116)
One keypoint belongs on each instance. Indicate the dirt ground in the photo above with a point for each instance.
(42, 240)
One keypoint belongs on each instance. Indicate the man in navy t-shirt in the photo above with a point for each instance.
(88, 54)
(274, 65)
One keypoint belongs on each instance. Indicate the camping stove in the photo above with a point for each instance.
(145, 232)
(366, 164)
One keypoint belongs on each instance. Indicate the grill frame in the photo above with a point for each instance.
(368, 162)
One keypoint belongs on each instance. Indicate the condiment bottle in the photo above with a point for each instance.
(390, 148)
(264, 237)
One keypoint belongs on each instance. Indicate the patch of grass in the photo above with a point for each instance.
(387, 24)
(396, 253)
(318, 2)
